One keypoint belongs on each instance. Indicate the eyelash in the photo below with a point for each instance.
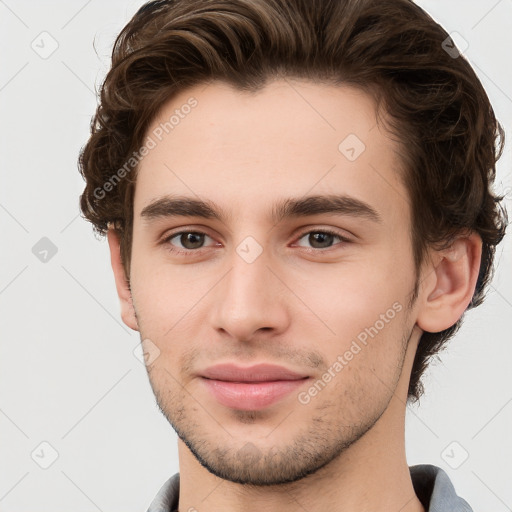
(192, 252)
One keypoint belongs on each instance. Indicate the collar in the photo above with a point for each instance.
(431, 484)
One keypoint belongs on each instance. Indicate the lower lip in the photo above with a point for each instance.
(251, 396)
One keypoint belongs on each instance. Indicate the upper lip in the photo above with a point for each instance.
(256, 373)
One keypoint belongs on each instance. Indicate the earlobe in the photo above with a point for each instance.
(451, 283)
(122, 285)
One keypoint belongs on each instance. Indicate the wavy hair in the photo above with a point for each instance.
(434, 103)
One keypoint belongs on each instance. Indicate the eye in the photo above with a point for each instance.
(190, 241)
(322, 239)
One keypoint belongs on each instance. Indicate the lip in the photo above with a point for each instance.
(256, 373)
(250, 388)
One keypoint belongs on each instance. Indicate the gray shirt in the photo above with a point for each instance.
(431, 484)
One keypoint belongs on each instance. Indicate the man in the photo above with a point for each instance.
(296, 198)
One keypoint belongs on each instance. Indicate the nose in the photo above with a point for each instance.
(251, 299)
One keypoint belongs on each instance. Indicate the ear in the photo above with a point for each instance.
(450, 283)
(122, 285)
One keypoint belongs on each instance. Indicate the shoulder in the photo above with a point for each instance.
(435, 490)
(167, 497)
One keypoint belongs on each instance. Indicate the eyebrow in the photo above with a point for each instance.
(183, 206)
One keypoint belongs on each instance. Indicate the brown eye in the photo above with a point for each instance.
(191, 240)
(321, 239)
(186, 241)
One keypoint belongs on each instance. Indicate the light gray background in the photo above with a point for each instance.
(68, 373)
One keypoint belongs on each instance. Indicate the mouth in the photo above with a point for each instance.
(250, 388)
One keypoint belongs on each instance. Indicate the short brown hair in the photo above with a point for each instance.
(435, 105)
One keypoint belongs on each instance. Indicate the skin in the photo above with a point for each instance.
(300, 303)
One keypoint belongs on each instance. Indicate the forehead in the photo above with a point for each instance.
(291, 138)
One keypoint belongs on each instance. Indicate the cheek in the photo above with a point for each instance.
(364, 363)
(369, 338)
(168, 298)
(354, 295)
(362, 308)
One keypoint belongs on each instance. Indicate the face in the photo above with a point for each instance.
(300, 256)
